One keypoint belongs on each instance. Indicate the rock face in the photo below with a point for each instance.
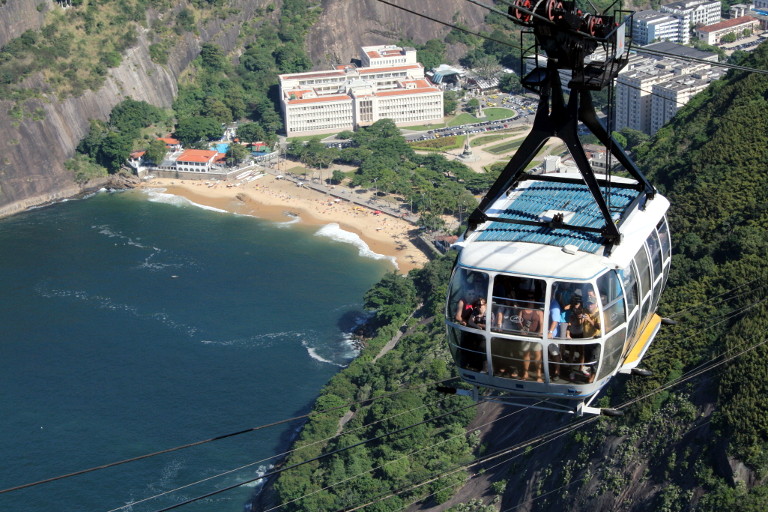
(346, 25)
(33, 151)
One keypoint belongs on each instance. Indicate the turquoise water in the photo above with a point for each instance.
(133, 323)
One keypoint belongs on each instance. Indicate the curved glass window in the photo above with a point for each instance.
(467, 298)
(575, 301)
(654, 247)
(613, 348)
(612, 297)
(517, 305)
(517, 359)
(575, 362)
(467, 349)
(666, 245)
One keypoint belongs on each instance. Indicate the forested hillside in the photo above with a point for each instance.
(694, 435)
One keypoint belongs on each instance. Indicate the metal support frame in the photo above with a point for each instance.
(555, 118)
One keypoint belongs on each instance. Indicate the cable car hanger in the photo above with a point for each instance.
(568, 36)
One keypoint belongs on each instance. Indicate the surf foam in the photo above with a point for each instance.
(334, 232)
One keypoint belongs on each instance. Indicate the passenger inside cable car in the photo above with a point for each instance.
(534, 330)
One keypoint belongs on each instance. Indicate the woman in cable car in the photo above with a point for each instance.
(561, 319)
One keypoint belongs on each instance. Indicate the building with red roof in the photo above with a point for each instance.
(198, 160)
(171, 143)
(712, 34)
(391, 84)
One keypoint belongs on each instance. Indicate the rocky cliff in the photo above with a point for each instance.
(35, 149)
(347, 25)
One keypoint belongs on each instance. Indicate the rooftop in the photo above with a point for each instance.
(532, 201)
(197, 155)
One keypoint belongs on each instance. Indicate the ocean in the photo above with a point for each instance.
(135, 322)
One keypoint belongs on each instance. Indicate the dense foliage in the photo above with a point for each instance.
(108, 144)
(672, 445)
(403, 381)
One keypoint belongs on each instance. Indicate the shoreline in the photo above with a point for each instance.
(280, 200)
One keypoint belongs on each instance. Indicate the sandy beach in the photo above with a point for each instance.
(280, 200)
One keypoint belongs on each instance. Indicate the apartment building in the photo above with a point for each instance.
(390, 84)
(649, 26)
(650, 90)
(673, 22)
(694, 13)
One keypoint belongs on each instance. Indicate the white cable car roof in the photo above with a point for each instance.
(557, 252)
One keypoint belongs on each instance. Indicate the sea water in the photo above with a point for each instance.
(136, 322)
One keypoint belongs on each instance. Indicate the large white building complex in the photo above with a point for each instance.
(390, 84)
(650, 90)
(673, 22)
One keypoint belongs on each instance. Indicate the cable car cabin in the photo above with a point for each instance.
(546, 313)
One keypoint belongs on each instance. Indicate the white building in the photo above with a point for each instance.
(650, 26)
(197, 160)
(712, 34)
(694, 13)
(390, 55)
(390, 85)
(650, 90)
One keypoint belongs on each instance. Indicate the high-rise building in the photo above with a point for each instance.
(650, 90)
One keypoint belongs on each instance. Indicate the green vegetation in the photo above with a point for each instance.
(506, 147)
(439, 144)
(77, 45)
(709, 162)
(403, 380)
(108, 144)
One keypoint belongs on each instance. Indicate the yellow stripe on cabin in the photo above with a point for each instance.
(645, 339)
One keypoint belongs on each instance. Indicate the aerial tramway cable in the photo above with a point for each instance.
(212, 439)
(702, 369)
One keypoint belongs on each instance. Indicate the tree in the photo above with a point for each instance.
(113, 151)
(431, 221)
(392, 297)
(236, 154)
(197, 128)
(473, 104)
(212, 57)
(250, 132)
(487, 67)
(510, 83)
(155, 152)
(450, 102)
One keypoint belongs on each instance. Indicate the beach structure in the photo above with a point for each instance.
(197, 160)
(389, 85)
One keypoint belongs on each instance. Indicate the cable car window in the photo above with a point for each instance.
(612, 297)
(629, 278)
(578, 363)
(655, 249)
(466, 297)
(517, 305)
(612, 353)
(644, 271)
(574, 300)
(666, 246)
(517, 359)
(630, 288)
(467, 349)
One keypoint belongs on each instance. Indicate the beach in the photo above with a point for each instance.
(281, 200)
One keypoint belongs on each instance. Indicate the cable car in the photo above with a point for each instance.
(558, 276)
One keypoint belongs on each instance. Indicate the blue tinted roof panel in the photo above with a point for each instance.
(531, 201)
